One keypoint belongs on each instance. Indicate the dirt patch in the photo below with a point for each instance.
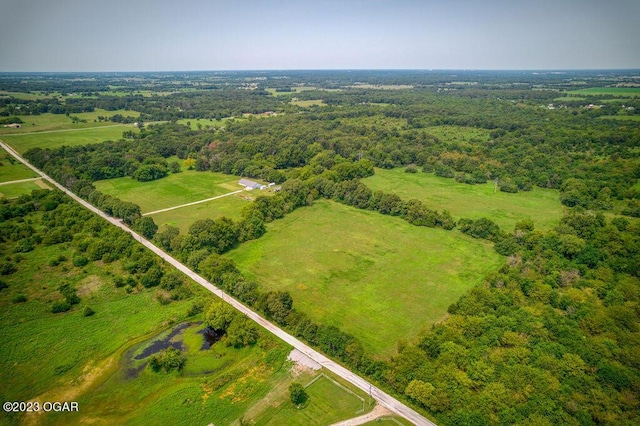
(302, 363)
(377, 412)
(41, 184)
(89, 285)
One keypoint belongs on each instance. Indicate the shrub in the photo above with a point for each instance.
(20, 298)
(80, 261)
(60, 307)
(87, 311)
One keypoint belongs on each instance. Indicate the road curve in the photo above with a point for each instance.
(379, 395)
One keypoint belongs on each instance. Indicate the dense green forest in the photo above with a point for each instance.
(552, 337)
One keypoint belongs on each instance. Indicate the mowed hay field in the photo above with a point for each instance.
(11, 169)
(374, 276)
(49, 122)
(176, 189)
(183, 217)
(71, 137)
(471, 201)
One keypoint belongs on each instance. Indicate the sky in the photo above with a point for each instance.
(177, 35)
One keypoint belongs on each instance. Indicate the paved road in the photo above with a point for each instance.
(382, 397)
(193, 203)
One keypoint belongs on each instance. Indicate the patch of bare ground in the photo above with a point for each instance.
(378, 411)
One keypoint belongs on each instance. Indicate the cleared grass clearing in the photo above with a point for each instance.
(374, 276)
(173, 190)
(471, 201)
(14, 190)
(11, 169)
(204, 122)
(458, 133)
(620, 117)
(48, 122)
(616, 91)
(309, 103)
(183, 217)
(72, 137)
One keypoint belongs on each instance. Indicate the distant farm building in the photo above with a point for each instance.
(249, 184)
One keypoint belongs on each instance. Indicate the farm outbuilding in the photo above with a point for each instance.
(249, 184)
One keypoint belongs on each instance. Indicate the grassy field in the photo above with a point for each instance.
(620, 117)
(458, 133)
(41, 351)
(173, 190)
(216, 386)
(628, 92)
(330, 400)
(72, 137)
(183, 217)
(11, 169)
(471, 201)
(14, 190)
(342, 265)
(204, 122)
(48, 122)
(309, 103)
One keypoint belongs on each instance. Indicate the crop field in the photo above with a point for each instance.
(71, 137)
(627, 92)
(471, 201)
(173, 190)
(376, 277)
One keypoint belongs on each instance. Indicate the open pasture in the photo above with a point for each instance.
(376, 277)
(71, 137)
(16, 189)
(626, 92)
(183, 217)
(48, 122)
(471, 201)
(173, 190)
(11, 169)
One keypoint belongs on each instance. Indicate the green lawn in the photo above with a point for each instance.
(173, 190)
(183, 217)
(471, 201)
(72, 137)
(620, 117)
(328, 403)
(204, 122)
(374, 276)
